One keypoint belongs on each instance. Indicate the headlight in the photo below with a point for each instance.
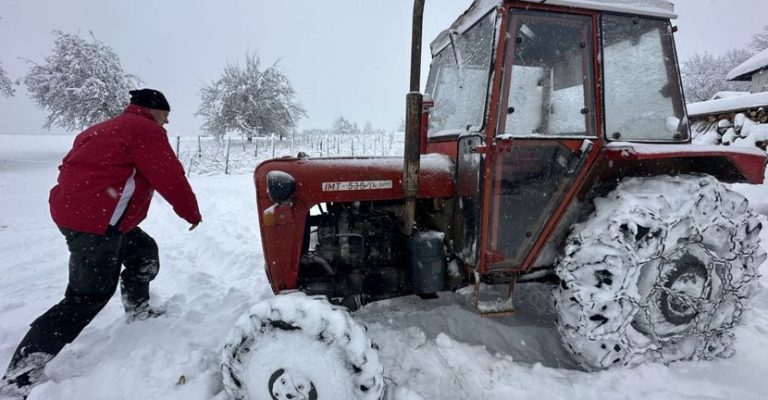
(280, 186)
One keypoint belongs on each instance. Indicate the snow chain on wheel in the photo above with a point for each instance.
(293, 346)
(662, 271)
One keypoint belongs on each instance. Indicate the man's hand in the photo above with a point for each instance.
(195, 225)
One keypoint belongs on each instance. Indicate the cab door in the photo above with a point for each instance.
(547, 130)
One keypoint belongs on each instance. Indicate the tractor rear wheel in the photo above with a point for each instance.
(294, 346)
(661, 272)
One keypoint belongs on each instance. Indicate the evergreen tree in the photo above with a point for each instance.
(80, 83)
(251, 100)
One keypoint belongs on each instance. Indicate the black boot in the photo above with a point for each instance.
(24, 373)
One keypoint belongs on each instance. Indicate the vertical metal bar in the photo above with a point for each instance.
(412, 158)
(413, 108)
(418, 17)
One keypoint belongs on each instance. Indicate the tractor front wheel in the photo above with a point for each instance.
(661, 272)
(296, 347)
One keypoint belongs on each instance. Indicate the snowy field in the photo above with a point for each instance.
(437, 349)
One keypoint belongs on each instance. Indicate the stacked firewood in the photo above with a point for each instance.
(726, 128)
(758, 115)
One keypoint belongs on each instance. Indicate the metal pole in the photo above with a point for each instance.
(413, 108)
(418, 17)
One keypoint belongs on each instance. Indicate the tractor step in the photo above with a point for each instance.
(493, 301)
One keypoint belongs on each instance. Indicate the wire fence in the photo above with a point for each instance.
(203, 155)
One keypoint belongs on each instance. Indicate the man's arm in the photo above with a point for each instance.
(155, 159)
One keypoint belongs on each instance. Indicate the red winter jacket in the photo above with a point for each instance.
(93, 175)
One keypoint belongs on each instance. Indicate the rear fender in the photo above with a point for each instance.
(332, 180)
(620, 160)
(727, 164)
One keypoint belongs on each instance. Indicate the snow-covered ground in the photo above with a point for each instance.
(436, 349)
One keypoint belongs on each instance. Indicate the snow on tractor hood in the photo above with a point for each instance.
(479, 8)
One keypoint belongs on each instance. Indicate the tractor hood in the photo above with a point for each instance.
(323, 180)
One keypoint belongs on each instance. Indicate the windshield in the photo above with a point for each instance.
(642, 94)
(458, 80)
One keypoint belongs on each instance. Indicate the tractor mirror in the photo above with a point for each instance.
(280, 186)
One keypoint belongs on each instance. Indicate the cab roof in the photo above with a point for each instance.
(479, 8)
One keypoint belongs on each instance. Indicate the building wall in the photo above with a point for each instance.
(759, 82)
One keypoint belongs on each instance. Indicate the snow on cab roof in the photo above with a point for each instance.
(479, 8)
(745, 70)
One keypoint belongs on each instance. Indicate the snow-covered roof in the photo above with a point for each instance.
(479, 8)
(728, 104)
(728, 93)
(754, 64)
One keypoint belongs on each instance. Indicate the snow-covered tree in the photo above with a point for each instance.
(212, 109)
(251, 100)
(760, 40)
(704, 75)
(343, 126)
(80, 83)
(6, 86)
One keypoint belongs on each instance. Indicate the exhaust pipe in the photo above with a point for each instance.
(413, 108)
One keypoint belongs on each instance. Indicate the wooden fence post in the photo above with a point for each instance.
(189, 166)
(226, 159)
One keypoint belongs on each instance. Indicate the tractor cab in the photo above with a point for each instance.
(527, 95)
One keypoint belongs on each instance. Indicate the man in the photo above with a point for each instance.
(104, 189)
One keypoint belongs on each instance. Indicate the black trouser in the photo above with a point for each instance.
(94, 271)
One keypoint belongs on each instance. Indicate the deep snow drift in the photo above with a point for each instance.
(436, 349)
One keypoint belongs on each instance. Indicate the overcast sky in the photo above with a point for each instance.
(345, 57)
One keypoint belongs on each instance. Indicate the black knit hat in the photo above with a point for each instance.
(149, 98)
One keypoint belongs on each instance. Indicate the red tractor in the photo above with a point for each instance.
(551, 144)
